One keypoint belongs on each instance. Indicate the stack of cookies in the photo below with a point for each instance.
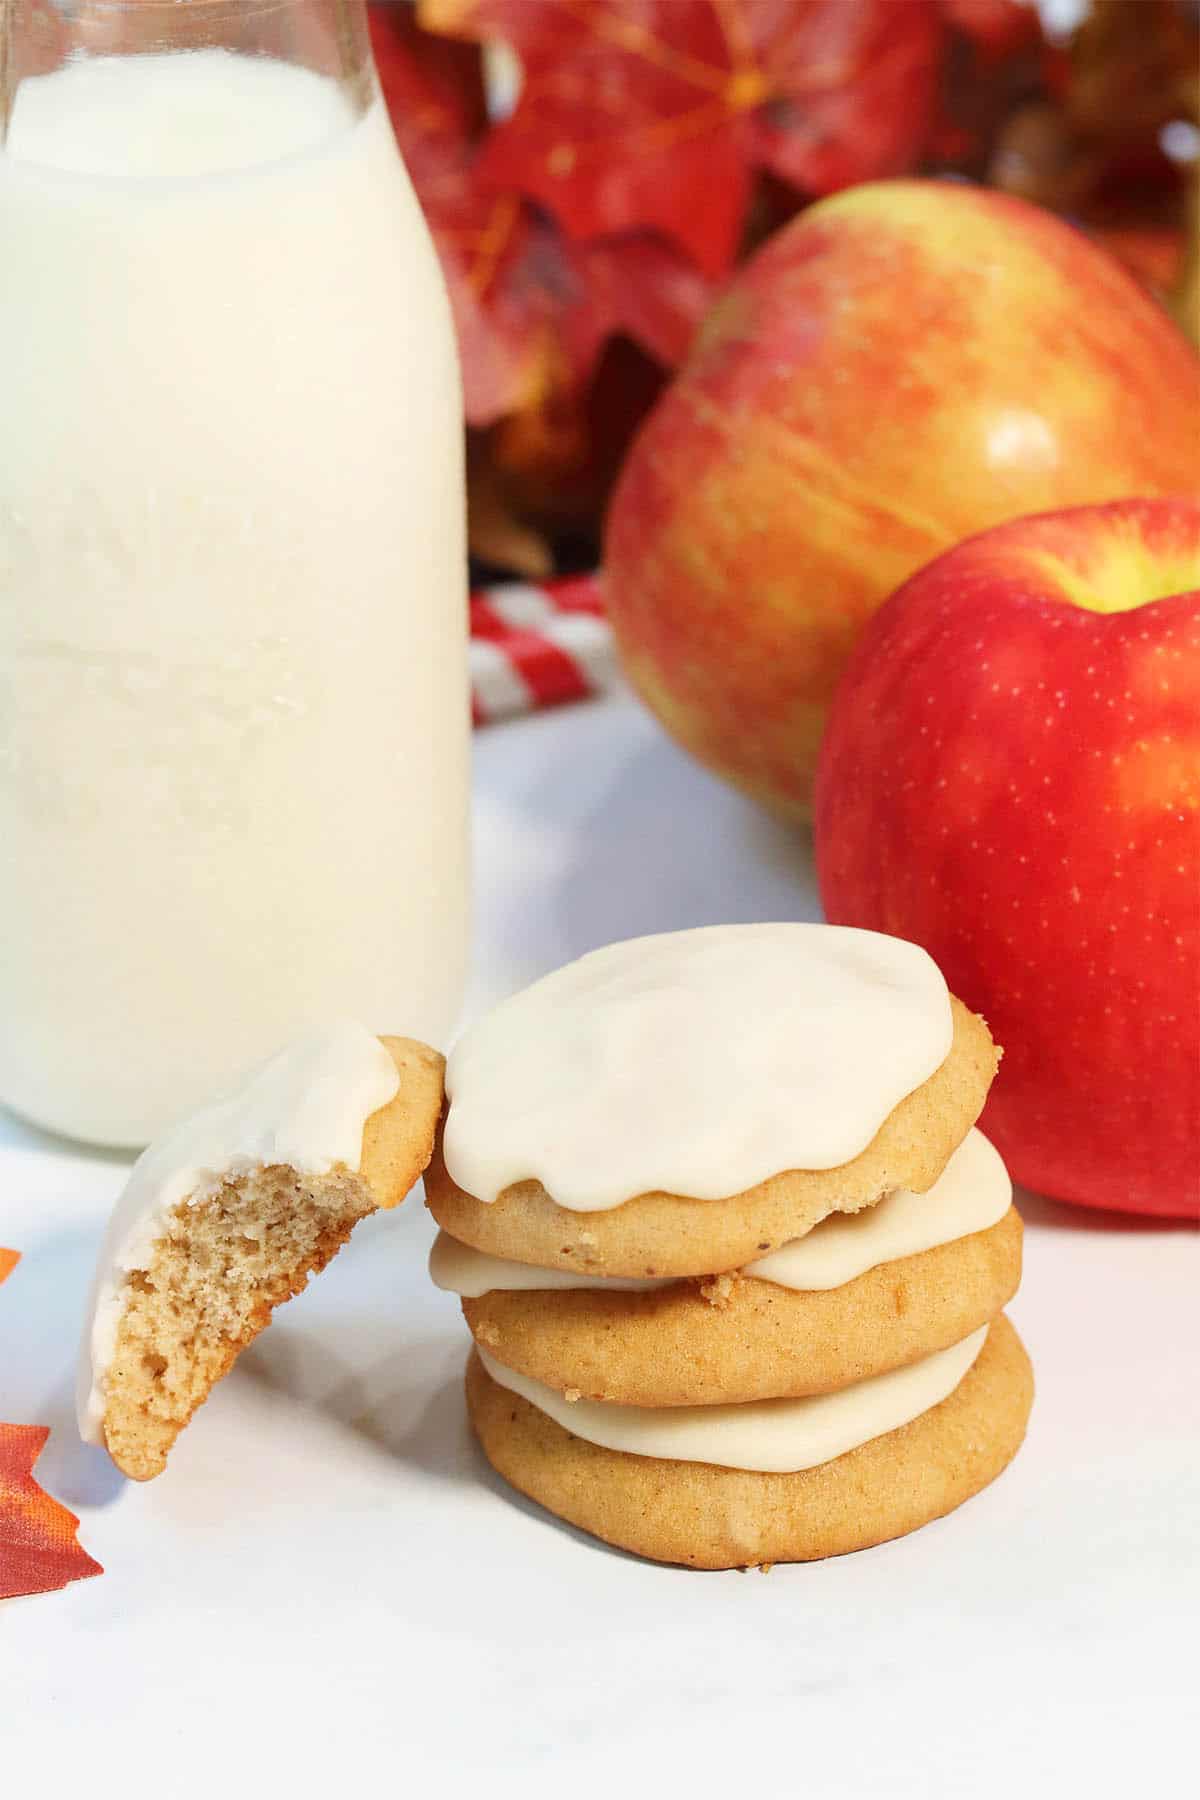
(732, 1255)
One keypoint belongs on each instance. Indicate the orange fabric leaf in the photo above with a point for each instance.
(39, 1550)
(38, 1547)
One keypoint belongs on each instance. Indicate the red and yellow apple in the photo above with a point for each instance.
(906, 364)
(1011, 777)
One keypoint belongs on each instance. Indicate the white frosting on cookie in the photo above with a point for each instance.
(305, 1109)
(698, 1063)
(457, 1268)
(775, 1436)
(972, 1194)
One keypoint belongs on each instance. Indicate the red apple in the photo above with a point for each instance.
(1011, 777)
(905, 364)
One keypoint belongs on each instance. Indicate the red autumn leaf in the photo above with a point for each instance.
(434, 84)
(38, 1547)
(652, 115)
(500, 263)
(641, 286)
(560, 301)
(434, 93)
(532, 315)
(997, 26)
(854, 91)
(490, 253)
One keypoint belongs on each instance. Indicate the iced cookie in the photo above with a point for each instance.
(228, 1215)
(909, 1140)
(844, 1471)
(745, 1337)
(732, 1255)
(860, 1293)
(699, 1344)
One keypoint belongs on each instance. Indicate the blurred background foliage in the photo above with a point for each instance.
(592, 170)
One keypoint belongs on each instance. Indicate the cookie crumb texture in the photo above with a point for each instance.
(226, 1261)
(716, 1518)
(213, 1279)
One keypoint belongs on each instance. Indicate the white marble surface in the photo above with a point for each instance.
(328, 1586)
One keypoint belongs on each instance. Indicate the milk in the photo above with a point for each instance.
(233, 708)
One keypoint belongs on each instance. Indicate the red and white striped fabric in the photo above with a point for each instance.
(535, 645)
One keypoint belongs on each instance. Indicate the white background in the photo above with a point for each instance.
(329, 1587)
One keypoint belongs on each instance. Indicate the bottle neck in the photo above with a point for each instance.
(39, 37)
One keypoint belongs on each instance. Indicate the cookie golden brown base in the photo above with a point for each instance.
(714, 1518)
(398, 1140)
(751, 1339)
(670, 1234)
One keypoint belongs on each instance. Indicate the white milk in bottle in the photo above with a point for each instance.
(233, 704)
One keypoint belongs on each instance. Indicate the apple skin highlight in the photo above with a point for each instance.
(906, 364)
(1011, 778)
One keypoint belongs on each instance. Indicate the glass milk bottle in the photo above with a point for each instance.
(233, 691)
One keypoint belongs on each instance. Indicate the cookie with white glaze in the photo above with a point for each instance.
(660, 1234)
(708, 1517)
(212, 1278)
(728, 1340)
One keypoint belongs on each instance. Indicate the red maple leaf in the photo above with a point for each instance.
(434, 92)
(639, 284)
(997, 26)
(652, 142)
(652, 115)
(38, 1547)
(532, 311)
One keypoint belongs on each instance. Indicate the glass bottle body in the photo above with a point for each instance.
(233, 692)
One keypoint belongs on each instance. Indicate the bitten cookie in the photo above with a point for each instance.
(709, 1517)
(174, 1306)
(657, 1234)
